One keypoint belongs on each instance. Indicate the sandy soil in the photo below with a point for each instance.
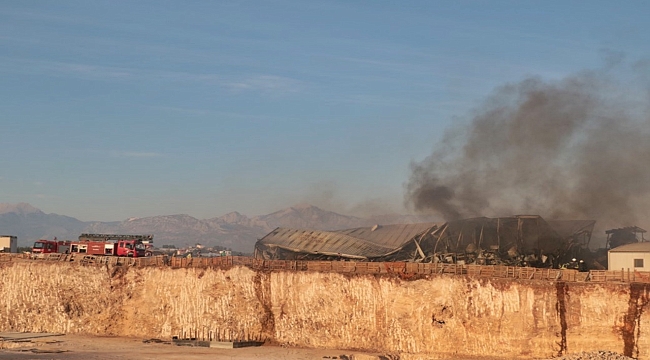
(78, 347)
(113, 348)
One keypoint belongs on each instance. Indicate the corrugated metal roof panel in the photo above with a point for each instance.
(391, 236)
(362, 242)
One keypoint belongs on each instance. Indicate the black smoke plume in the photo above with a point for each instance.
(577, 148)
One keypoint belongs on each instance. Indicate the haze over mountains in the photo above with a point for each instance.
(233, 230)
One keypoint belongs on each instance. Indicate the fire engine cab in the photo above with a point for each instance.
(50, 246)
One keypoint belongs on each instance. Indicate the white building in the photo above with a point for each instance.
(635, 256)
(8, 243)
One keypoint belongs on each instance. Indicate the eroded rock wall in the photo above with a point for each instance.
(417, 318)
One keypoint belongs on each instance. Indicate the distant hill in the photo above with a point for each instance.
(30, 223)
(233, 230)
(310, 217)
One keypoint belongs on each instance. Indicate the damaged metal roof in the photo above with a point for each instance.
(390, 235)
(567, 228)
(361, 243)
(515, 239)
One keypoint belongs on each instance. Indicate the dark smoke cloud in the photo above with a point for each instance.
(576, 148)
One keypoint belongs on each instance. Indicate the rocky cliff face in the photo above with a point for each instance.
(418, 318)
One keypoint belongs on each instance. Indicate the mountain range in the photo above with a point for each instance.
(233, 230)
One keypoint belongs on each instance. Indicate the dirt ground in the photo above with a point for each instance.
(78, 347)
(113, 348)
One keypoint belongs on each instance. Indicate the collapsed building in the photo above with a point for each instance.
(623, 236)
(522, 240)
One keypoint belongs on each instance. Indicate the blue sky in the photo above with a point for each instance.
(119, 109)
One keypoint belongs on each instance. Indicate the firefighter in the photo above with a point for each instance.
(573, 264)
(582, 266)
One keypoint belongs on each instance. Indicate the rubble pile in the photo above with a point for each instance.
(594, 355)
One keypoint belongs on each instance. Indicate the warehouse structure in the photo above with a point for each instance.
(517, 240)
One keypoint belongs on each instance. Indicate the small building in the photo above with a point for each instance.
(635, 256)
(8, 243)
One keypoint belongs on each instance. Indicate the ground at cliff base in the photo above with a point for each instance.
(594, 355)
(77, 347)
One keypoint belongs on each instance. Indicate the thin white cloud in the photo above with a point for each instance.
(221, 114)
(55, 68)
(99, 72)
(269, 84)
(136, 154)
(183, 110)
(266, 83)
(42, 196)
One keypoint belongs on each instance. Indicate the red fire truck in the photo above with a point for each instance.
(112, 245)
(50, 246)
(99, 244)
